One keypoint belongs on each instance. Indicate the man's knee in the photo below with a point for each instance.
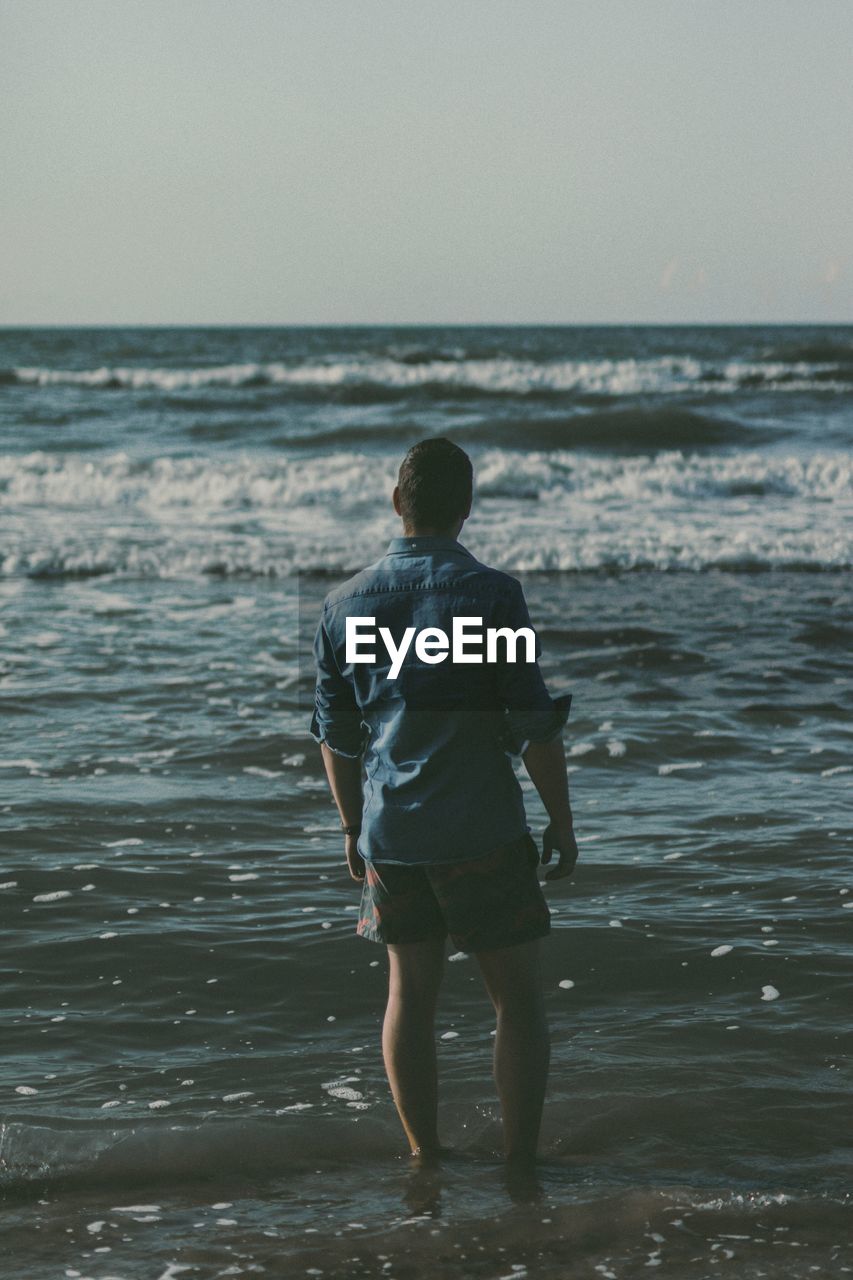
(527, 1011)
(514, 981)
(416, 970)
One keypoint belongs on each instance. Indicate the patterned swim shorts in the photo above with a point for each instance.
(490, 902)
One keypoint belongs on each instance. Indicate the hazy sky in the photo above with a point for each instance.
(347, 161)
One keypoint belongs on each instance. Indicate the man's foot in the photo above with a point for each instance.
(426, 1157)
(522, 1182)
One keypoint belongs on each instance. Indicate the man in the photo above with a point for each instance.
(436, 833)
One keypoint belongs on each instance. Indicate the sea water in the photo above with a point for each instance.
(192, 1079)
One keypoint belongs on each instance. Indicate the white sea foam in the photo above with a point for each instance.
(509, 376)
(170, 517)
(667, 473)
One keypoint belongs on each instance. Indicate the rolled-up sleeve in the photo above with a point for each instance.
(337, 719)
(530, 713)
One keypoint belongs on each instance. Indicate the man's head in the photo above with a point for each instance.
(434, 488)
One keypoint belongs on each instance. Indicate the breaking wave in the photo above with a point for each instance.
(271, 515)
(364, 380)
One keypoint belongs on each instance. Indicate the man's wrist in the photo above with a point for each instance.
(351, 828)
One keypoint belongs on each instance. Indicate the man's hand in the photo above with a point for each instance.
(546, 764)
(562, 838)
(355, 862)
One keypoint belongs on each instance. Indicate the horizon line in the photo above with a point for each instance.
(429, 324)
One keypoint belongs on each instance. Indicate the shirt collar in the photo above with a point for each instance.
(423, 543)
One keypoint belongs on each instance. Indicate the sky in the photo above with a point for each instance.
(426, 161)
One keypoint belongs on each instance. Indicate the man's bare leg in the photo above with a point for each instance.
(522, 1045)
(408, 1038)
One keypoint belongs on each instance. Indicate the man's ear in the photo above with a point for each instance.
(395, 498)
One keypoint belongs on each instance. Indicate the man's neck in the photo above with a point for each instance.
(430, 533)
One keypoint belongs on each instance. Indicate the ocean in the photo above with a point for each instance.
(192, 1074)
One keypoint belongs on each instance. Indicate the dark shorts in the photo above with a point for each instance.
(490, 902)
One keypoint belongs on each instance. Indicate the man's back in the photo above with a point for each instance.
(437, 734)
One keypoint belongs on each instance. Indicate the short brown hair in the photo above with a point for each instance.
(436, 483)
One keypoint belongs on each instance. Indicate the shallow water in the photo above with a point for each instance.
(186, 997)
(192, 1069)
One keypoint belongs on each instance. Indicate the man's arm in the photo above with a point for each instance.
(534, 722)
(545, 762)
(344, 774)
(337, 725)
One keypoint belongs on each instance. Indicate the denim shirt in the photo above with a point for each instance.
(438, 741)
